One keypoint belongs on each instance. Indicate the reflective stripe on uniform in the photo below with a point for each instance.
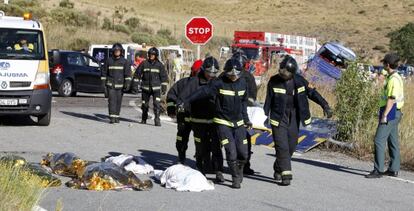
(158, 99)
(164, 83)
(136, 80)
(118, 86)
(147, 70)
(128, 78)
(170, 104)
(113, 115)
(201, 121)
(241, 93)
(224, 142)
(227, 92)
(198, 140)
(308, 121)
(151, 70)
(274, 123)
(103, 78)
(153, 88)
(301, 89)
(115, 68)
(223, 122)
(245, 141)
(240, 123)
(286, 173)
(179, 138)
(187, 119)
(280, 91)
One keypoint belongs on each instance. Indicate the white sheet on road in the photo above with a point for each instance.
(128, 162)
(257, 116)
(183, 178)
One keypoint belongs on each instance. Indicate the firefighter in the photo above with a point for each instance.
(252, 96)
(288, 106)
(230, 115)
(202, 114)
(116, 75)
(179, 91)
(154, 81)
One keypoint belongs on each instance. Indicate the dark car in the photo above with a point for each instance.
(72, 72)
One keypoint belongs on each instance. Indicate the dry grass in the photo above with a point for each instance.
(19, 190)
(362, 24)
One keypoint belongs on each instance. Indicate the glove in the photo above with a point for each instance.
(181, 108)
(248, 124)
(163, 89)
(328, 112)
(384, 120)
(127, 87)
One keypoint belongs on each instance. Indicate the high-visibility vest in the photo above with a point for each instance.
(394, 87)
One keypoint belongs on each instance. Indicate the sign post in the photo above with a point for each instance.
(199, 30)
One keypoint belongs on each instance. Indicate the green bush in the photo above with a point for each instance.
(78, 44)
(66, 4)
(357, 105)
(70, 17)
(141, 38)
(133, 23)
(402, 41)
(122, 28)
(107, 24)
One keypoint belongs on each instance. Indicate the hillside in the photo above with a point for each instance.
(361, 24)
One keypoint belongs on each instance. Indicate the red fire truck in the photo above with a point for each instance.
(262, 48)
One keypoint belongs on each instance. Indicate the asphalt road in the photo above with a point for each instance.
(322, 180)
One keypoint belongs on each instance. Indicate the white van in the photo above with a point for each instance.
(24, 69)
(103, 52)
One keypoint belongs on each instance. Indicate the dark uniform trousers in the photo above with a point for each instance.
(156, 98)
(206, 142)
(234, 142)
(183, 134)
(114, 102)
(285, 137)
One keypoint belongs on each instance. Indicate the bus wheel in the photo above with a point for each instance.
(44, 120)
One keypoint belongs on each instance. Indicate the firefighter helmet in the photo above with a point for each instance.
(233, 67)
(117, 46)
(288, 67)
(153, 51)
(210, 66)
(241, 56)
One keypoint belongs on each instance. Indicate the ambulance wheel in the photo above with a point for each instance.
(44, 120)
(66, 88)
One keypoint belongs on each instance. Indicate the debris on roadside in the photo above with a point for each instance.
(108, 176)
(46, 176)
(131, 163)
(183, 178)
(64, 164)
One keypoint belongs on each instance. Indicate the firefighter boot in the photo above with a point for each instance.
(112, 120)
(241, 164)
(157, 120)
(234, 170)
(286, 178)
(117, 120)
(219, 177)
(181, 157)
(144, 116)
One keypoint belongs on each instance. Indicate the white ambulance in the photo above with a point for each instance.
(24, 69)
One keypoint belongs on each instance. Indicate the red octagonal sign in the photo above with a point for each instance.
(199, 30)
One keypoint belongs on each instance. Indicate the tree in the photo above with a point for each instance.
(402, 41)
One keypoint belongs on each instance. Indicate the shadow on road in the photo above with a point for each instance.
(84, 116)
(13, 121)
(161, 160)
(330, 166)
(95, 117)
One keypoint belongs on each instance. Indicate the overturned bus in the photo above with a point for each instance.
(330, 60)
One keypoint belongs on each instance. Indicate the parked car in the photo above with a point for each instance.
(72, 72)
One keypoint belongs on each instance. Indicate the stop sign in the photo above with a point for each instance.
(199, 30)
